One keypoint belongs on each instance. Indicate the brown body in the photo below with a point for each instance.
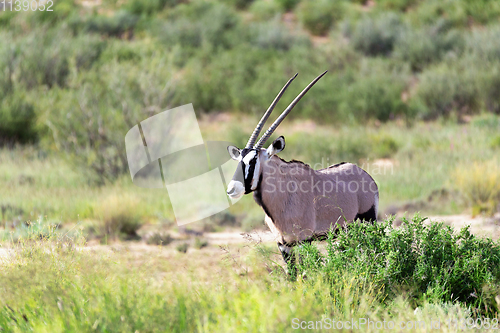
(301, 203)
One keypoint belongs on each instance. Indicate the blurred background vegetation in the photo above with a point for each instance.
(412, 83)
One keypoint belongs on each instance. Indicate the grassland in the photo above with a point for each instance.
(411, 96)
(53, 284)
(414, 166)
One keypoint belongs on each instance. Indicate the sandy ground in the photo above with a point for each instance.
(481, 226)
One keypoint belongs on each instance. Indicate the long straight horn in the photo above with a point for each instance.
(278, 121)
(266, 115)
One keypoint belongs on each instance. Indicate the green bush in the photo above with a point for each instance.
(427, 45)
(183, 247)
(273, 35)
(376, 93)
(495, 142)
(200, 243)
(447, 88)
(88, 123)
(400, 5)
(288, 5)
(17, 119)
(87, 50)
(42, 59)
(159, 238)
(383, 145)
(377, 36)
(428, 12)
(60, 10)
(484, 43)
(149, 7)
(239, 4)
(205, 24)
(120, 25)
(482, 11)
(318, 16)
(265, 9)
(430, 261)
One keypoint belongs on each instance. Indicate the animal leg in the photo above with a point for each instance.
(286, 252)
(289, 256)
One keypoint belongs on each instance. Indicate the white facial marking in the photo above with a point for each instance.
(235, 189)
(255, 180)
(247, 160)
(249, 157)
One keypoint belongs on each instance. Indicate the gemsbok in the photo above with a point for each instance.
(301, 204)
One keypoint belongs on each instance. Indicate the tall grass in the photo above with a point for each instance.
(56, 285)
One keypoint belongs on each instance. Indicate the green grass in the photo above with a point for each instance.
(53, 284)
(409, 164)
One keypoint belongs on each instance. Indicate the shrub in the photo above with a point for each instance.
(427, 12)
(87, 50)
(159, 238)
(446, 88)
(119, 217)
(239, 4)
(482, 11)
(485, 43)
(149, 7)
(495, 142)
(121, 24)
(42, 59)
(383, 145)
(265, 10)
(375, 93)
(288, 5)
(273, 35)
(430, 261)
(480, 183)
(377, 36)
(486, 121)
(400, 5)
(17, 120)
(183, 247)
(199, 243)
(318, 16)
(203, 23)
(88, 123)
(60, 10)
(427, 45)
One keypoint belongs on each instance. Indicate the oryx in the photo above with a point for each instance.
(301, 204)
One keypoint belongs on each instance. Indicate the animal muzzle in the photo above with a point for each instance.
(235, 189)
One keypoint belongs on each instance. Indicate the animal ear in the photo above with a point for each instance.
(277, 146)
(234, 152)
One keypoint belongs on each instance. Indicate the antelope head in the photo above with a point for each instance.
(247, 175)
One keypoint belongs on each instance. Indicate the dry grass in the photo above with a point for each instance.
(480, 183)
(119, 216)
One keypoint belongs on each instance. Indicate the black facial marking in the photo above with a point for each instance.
(257, 196)
(249, 178)
(251, 169)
